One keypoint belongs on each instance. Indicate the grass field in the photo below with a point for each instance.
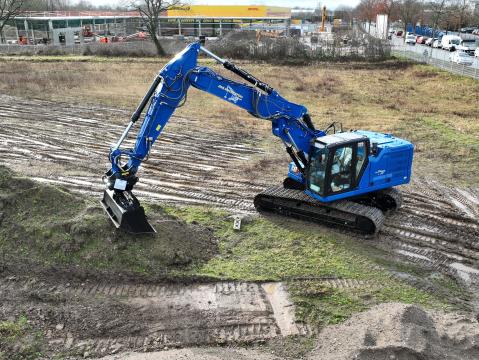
(437, 111)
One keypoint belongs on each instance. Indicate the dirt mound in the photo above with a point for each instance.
(49, 225)
(400, 332)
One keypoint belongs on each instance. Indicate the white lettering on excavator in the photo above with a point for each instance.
(233, 95)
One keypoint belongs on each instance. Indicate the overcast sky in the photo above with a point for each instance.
(288, 3)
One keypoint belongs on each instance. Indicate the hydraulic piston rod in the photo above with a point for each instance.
(240, 72)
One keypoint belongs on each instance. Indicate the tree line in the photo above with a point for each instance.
(444, 14)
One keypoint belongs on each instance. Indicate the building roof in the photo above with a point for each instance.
(180, 12)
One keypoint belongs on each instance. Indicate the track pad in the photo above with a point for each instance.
(125, 212)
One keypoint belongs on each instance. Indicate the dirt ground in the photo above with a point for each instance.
(398, 331)
(89, 316)
(221, 163)
(388, 331)
(191, 164)
(96, 316)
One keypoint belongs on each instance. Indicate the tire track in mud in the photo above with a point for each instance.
(147, 317)
(189, 164)
(193, 164)
(438, 229)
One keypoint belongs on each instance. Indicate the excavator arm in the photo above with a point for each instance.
(290, 122)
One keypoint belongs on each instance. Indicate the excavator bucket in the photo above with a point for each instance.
(125, 211)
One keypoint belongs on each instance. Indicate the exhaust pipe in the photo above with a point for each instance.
(125, 212)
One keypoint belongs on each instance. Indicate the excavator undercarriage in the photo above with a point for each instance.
(362, 215)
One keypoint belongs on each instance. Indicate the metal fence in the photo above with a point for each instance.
(425, 56)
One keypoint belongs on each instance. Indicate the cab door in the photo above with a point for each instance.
(346, 166)
(340, 177)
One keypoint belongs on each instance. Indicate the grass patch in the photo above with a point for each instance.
(50, 226)
(266, 249)
(18, 341)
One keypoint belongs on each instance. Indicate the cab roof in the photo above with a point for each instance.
(340, 138)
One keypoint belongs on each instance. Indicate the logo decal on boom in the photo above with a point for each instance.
(233, 95)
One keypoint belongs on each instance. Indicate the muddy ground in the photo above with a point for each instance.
(56, 143)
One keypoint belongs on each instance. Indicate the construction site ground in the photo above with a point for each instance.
(72, 286)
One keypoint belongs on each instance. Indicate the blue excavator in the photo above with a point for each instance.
(340, 178)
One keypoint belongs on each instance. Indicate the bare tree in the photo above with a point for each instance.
(47, 5)
(344, 13)
(9, 10)
(409, 12)
(461, 13)
(367, 10)
(438, 10)
(150, 11)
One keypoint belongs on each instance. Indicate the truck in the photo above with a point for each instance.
(451, 42)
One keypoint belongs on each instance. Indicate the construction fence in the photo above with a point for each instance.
(424, 55)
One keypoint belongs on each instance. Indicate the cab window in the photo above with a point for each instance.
(341, 169)
(317, 171)
(361, 158)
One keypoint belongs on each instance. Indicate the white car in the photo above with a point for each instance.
(410, 39)
(436, 44)
(430, 41)
(461, 58)
(476, 53)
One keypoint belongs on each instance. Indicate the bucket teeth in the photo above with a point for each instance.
(125, 212)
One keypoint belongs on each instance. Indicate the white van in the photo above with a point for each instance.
(450, 42)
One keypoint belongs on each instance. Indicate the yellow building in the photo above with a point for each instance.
(229, 12)
(197, 20)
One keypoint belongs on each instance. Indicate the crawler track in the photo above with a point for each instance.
(343, 214)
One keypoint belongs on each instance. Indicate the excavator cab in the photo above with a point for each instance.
(337, 163)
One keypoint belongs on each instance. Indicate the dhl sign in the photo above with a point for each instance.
(229, 11)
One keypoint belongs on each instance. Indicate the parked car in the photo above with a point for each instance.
(450, 42)
(475, 32)
(399, 33)
(476, 53)
(467, 46)
(410, 39)
(467, 30)
(437, 44)
(430, 41)
(461, 58)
